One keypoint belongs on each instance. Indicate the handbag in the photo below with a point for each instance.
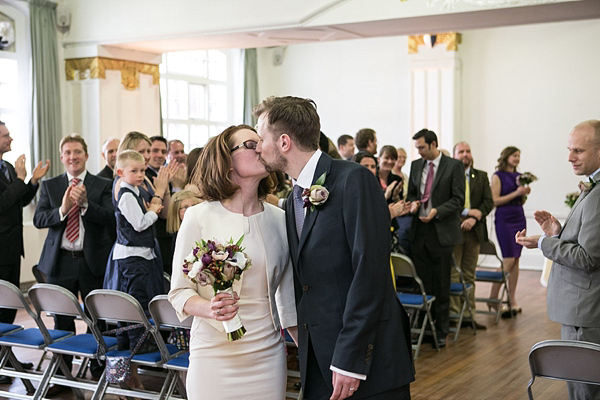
(118, 368)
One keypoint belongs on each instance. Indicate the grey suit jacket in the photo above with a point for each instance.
(574, 284)
(447, 196)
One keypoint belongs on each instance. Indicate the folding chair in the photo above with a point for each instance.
(165, 316)
(56, 300)
(115, 306)
(418, 302)
(483, 274)
(40, 277)
(30, 338)
(461, 290)
(565, 360)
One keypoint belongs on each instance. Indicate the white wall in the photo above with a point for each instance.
(525, 86)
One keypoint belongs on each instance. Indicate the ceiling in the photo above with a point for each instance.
(436, 23)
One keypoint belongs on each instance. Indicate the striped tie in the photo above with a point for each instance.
(298, 209)
(73, 218)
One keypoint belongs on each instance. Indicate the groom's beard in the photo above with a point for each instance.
(279, 164)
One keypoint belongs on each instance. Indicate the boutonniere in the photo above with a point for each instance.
(587, 186)
(316, 195)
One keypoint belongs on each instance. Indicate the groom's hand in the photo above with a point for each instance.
(547, 222)
(342, 385)
(531, 242)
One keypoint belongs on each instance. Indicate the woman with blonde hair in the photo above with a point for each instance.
(180, 202)
(234, 184)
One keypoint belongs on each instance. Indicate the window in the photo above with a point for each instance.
(196, 89)
(15, 92)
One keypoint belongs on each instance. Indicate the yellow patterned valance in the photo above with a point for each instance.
(97, 66)
(451, 39)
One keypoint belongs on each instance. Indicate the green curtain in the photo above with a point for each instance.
(250, 85)
(47, 130)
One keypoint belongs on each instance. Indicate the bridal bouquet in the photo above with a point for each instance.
(571, 198)
(526, 178)
(219, 265)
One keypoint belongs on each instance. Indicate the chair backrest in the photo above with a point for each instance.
(164, 314)
(11, 297)
(567, 360)
(404, 267)
(115, 306)
(488, 248)
(54, 299)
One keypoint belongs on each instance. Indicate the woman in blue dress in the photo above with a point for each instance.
(509, 198)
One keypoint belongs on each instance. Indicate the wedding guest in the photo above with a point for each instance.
(397, 170)
(391, 183)
(346, 147)
(180, 202)
(191, 164)
(366, 140)
(509, 198)
(573, 289)
(233, 183)
(175, 151)
(109, 153)
(367, 160)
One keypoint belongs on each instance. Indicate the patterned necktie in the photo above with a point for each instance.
(298, 208)
(428, 185)
(73, 218)
(4, 170)
(467, 192)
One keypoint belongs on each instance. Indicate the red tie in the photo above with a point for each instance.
(428, 185)
(73, 218)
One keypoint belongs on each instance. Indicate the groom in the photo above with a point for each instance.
(354, 337)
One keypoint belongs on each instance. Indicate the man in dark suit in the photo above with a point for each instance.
(14, 195)
(437, 188)
(353, 332)
(76, 208)
(478, 204)
(109, 153)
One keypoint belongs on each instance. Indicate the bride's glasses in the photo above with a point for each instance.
(249, 144)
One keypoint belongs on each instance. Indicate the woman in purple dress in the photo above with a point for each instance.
(509, 198)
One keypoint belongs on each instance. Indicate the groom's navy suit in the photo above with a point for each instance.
(349, 315)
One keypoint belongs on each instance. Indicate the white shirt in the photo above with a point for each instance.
(424, 211)
(305, 180)
(130, 208)
(65, 243)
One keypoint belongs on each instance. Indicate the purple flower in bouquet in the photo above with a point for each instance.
(206, 259)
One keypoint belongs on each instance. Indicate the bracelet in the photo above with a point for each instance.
(158, 197)
(470, 216)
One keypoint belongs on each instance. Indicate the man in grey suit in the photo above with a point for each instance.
(574, 285)
(437, 189)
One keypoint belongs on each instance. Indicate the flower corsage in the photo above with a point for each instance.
(315, 195)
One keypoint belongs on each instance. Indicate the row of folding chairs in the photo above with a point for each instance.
(107, 305)
(418, 303)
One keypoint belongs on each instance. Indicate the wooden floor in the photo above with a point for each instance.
(491, 365)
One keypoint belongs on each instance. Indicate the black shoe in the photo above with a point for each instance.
(27, 365)
(55, 390)
(507, 314)
(5, 380)
(478, 326)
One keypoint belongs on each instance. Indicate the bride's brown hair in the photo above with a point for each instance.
(212, 175)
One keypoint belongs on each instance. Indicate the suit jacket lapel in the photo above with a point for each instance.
(439, 172)
(324, 165)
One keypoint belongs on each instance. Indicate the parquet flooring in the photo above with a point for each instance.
(490, 365)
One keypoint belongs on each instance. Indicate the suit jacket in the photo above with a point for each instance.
(107, 173)
(345, 298)
(574, 283)
(447, 196)
(481, 199)
(14, 195)
(98, 217)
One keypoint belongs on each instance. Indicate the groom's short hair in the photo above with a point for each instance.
(595, 124)
(293, 116)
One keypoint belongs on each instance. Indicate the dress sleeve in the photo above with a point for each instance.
(181, 287)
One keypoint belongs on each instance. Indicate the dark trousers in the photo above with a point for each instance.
(316, 388)
(10, 273)
(75, 276)
(581, 391)
(433, 263)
